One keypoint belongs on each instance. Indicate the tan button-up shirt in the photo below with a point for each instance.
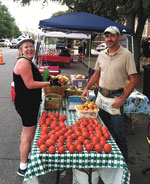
(115, 70)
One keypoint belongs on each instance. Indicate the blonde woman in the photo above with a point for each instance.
(28, 84)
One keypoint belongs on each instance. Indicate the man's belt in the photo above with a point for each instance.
(107, 92)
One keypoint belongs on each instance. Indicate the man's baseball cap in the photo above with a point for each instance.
(25, 40)
(112, 30)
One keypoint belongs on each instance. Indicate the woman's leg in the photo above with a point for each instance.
(27, 136)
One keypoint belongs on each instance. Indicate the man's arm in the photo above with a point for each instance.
(95, 77)
(133, 80)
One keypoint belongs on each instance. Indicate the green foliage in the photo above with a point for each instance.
(121, 11)
(8, 28)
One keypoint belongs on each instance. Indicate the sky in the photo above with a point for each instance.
(28, 17)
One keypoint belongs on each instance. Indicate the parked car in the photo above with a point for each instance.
(4, 43)
(13, 44)
(60, 44)
(101, 47)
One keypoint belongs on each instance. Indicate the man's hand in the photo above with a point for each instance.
(85, 94)
(118, 102)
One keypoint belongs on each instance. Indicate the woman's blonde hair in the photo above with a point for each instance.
(19, 52)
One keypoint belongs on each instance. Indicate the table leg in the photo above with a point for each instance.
(90, 176)
(57, 177)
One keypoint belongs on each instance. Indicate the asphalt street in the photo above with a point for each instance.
(10, 129)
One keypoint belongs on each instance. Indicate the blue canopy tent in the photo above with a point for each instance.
(81, 22)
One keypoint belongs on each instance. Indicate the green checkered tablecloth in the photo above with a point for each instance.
(41, 163)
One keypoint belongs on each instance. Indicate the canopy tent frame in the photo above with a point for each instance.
(82, 22)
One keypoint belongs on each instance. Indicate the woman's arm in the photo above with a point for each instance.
(24, 69)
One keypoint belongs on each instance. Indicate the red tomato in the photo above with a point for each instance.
(63, 117)
(74, 136)
(43, 148)
(98, 134)
(53, 126)
(103, 142)
(91, 136)
(98, 148)
(107, 148)
(72, 148)
(59, 144)
(66, 134)
(61, 149)
(95, 140)
(77, 142)
(83, 118)
(90, 128)
(68, 144)
(58, 134)
(52, 149)
(60, 140)
(64, 129)
(70, 137)
(57, 114)
(57, 128)
(54, 118)
(62, 125)
(85, 123)
(79, 148)
(102, 138)
(81, 138)
(89, 147)
(78, 133)
(44, 129)
(47, 121)
(104, 128)
(51, 142)
(40, 141)
(49, 114)
(86, 141)
(107, 135)
(78, 122)
(44, 136)
(69, 127)
(85, 134)
(53, 136)
(48, 142)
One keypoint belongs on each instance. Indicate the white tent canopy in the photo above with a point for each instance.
(67, 35)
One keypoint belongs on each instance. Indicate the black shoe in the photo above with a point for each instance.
(21, 172)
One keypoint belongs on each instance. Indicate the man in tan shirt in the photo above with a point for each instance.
(114, 66)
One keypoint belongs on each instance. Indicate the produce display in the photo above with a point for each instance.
(58, 80)
(79, 76)
(87, 134)
(73, 91)
(88, 109)
(51, 99)
(79, 81)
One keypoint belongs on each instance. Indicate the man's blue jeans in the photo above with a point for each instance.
(116, 127)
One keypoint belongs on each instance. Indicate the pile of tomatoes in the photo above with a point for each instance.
(86, 134)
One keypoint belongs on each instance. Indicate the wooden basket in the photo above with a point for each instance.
(52, 105)
(55, 89)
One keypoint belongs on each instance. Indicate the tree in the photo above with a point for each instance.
(8, 28)
(126, 11)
